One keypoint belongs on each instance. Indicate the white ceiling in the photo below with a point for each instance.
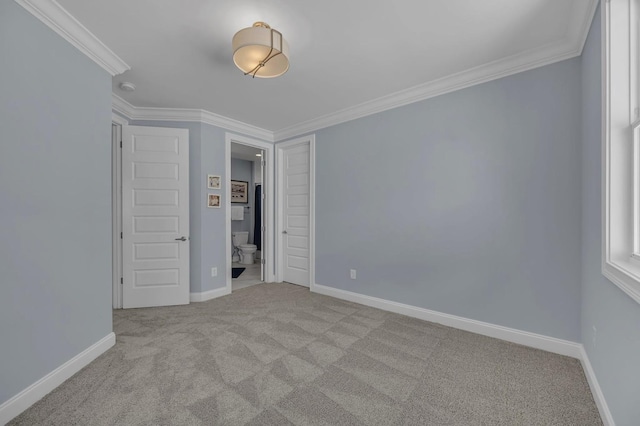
(244, 152)
(343, 53)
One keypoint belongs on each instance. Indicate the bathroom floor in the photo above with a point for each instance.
(250, 276)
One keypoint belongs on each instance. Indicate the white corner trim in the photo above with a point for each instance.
(598, 396)
(186, 114)
(64, 24)
(25, 399)
(533, 340)
(208, 295)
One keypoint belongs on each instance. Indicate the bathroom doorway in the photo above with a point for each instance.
(249, 204)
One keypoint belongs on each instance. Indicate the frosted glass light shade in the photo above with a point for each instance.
(251, 46)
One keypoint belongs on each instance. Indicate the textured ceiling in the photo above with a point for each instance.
(343, 53)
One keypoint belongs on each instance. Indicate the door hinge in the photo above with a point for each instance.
(121, 235)
(121, 280)
(263, 162)
(262, 261)
(262, 228)
(120, 144)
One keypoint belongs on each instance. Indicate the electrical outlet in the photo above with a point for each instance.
(594, 335)
(214, 272)
(353, 274)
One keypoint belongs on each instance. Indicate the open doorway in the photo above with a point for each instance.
(249, 212)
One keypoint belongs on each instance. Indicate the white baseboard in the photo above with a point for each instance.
(598, 396)
(538, 341)
(208, 295)
(29, 396)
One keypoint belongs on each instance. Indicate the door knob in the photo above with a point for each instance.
(285, 232)
(181, 239)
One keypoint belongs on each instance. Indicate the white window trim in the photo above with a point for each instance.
(621, 196)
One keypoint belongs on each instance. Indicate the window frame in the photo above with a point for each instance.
(621, 145)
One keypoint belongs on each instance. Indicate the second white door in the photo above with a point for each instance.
(295, 225)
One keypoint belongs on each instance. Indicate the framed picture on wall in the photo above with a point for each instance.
(213, 201)
(239, 191)
(213, 182)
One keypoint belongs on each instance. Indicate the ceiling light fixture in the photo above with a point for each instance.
(127, 87)
(261, 51)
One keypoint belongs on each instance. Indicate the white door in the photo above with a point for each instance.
(296, 214)
(155, 216)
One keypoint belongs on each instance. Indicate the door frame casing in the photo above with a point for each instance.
(268, 205)
(280, 147)
(116, 209)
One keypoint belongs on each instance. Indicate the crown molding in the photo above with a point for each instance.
(578, 29)
(570, 47)
(482, 74)
(567, 48)
(184, 114)
(122, 107)
(60, 21)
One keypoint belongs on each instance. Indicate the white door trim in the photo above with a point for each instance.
(116, 209)
(311, 140)
(267, 190)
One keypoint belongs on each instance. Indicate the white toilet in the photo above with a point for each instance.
(246, 251)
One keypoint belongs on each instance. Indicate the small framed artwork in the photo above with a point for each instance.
(213, 201)
(239, 191)
(213, 182)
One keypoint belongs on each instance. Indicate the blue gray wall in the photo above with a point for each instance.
(55, 185)
(243, 170)
(470, 203)
(207, 225)
(467, 203)
(614, 355)
(213, 227)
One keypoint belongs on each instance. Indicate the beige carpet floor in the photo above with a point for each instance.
(276, 354)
